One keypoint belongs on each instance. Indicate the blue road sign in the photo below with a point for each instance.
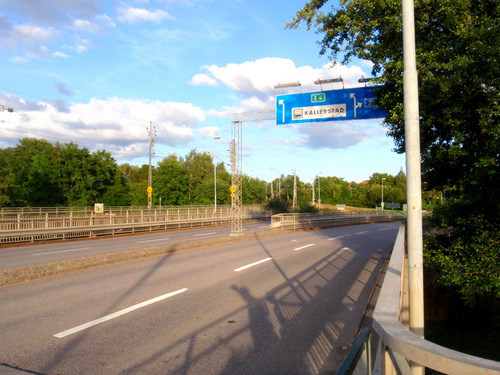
(334, 105)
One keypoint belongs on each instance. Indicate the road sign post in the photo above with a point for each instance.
(334, 105)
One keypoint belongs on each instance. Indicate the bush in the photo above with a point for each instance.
(307, 207)
(277, 205)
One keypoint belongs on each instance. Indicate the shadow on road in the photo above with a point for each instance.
(73, 343)
(304, 326)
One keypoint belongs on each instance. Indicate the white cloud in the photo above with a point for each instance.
(86, 25)
(60, 54)
(34, 32)
(115, 124)
(80, 48)
(209, 131)
(141, 15)
(203, 80)
(256, 79)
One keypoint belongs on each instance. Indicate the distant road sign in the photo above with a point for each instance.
(393, 205)
(334, 105)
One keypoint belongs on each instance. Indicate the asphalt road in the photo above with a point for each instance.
(42, 253)
(285, 304)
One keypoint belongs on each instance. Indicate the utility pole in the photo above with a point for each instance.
(272, 191)
(215, 177)
(151, 133)
(295, 188)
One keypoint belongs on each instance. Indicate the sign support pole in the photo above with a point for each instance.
(413, 178)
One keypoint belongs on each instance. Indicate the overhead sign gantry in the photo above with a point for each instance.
(333, 105)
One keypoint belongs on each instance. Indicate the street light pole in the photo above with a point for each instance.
(295, 188)
(413, 177)
(319, 190)
(382, 202)
(151, 133)
(215, 177)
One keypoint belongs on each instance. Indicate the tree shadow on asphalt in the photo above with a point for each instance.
(75, 342)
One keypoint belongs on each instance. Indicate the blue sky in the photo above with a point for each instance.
(97, 72)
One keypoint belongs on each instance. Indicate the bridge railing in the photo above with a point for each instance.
(291, 221)
(397, 345)
(31, 225)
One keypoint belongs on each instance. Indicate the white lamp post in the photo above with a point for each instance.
(382, 202)
(215, 178)
(319, 190)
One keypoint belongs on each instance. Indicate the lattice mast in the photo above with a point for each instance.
(236, 163)
(236, 179)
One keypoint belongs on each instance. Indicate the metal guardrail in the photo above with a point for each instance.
(50, 224)
(291, 221)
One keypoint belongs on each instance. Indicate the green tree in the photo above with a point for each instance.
(109, 184)
(6, 177)
(118, 193)
(200, 177)
(24, 155)
(136, 179)
(42, 185)
(254, 190)
(223, 184)
(170, 182)
(457, 62)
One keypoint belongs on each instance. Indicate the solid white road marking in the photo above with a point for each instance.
(334, 238)
(251, 265)
(62, 251)
(158, 239)
(81, 327)
(303, 247)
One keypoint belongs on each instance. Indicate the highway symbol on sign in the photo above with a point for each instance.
(334, 105)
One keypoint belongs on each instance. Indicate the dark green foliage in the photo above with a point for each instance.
(277, 205)
(38, 173)
(307, 207)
